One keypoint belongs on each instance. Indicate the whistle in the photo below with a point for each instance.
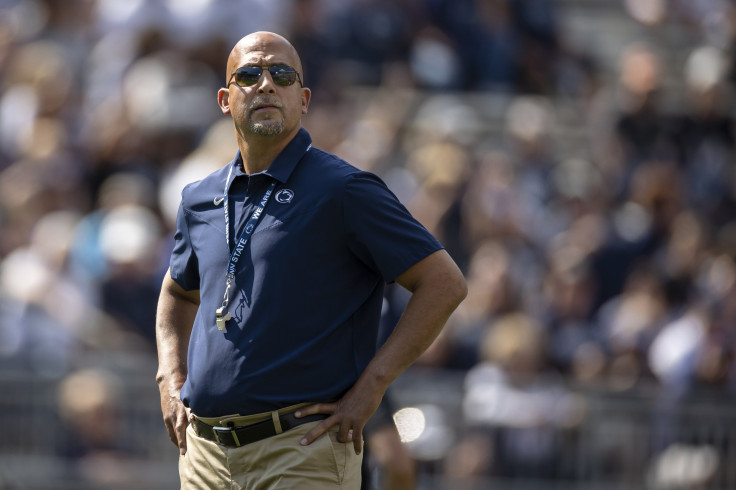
(221, 318)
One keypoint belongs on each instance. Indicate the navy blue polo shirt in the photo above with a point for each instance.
(308, 288)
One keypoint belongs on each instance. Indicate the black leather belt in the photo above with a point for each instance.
(240, 436)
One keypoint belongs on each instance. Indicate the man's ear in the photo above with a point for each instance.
(223, 100)
(306, 97)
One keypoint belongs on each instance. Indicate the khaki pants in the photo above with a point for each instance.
(278, 462)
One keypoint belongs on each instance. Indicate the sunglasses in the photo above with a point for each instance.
(283, 75)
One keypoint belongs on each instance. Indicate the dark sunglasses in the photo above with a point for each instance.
(283, 75)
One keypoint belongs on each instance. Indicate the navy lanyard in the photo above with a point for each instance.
(250, 226)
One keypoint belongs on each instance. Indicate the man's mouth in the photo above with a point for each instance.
(265, 107)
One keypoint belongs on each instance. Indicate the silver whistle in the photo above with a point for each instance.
(222, 317)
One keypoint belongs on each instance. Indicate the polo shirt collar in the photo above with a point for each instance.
(285, 163)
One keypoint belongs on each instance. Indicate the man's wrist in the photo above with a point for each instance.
(374, 380)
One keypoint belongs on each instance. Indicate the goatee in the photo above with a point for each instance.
(266, 128)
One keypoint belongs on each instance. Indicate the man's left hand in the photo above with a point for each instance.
(350, 413)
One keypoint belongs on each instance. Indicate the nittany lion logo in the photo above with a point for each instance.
(284, 196)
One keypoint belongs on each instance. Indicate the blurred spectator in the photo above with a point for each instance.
(363, 36)
(441, 170)
(88, 401)
(705, 135)
(45, 313)
(537, 24)
(491, 206)
(129, 239)
(49, 315)
(568, 295)
(642, 131)
(487, 42)
(629, 323)
(492, 294)
(88, 259)
(116, 252)
(512, 392)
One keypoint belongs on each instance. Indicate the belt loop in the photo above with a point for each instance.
(276, 421)
(231, 426)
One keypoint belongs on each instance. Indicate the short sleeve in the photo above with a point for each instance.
(381, 231)
(184, 265)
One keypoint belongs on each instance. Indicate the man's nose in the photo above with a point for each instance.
(265, 83)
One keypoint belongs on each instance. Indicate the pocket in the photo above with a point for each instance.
(319, 465)
(340, 452)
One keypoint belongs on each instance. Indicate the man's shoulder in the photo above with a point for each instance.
(330, 161)
(211, 185)
(329, 167)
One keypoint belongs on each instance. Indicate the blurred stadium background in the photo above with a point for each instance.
(576, 157)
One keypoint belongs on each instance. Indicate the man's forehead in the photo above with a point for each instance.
(263, 48)
(259, 56)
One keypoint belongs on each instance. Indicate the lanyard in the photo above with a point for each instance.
(237, 251)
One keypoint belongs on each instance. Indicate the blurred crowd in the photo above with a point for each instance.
(590, 200)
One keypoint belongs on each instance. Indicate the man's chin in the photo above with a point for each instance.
(267, 128)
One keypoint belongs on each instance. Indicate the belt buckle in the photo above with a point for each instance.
(218, 430)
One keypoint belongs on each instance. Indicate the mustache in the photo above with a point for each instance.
(264, 100)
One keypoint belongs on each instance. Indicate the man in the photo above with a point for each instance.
(267, 345)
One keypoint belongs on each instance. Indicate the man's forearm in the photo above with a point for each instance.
(419, 326)
(435, 295)
(174, 319)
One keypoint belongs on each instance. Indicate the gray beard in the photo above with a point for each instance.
(266, 128)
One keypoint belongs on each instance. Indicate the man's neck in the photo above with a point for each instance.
(259, 152)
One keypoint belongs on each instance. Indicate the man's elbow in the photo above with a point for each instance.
(449, 280)
(450, 287)
(438, 278)
(457, 289)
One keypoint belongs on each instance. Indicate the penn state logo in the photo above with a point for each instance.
(284, 196)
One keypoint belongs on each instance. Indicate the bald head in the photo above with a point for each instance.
(262, 46)
(267, 110)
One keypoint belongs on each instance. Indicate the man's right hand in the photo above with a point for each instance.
(175, 417)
